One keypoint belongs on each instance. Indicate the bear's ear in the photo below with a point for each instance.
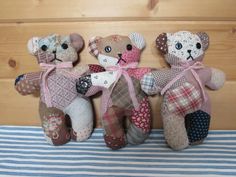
(33, 45)
(204, 39)
(77, 41)
(138, 40)
(93, 46)
(161, 43)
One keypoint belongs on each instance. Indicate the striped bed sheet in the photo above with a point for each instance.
(24, 152)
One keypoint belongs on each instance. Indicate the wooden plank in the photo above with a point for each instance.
(221, 54)
(81, 10)
(18, 110)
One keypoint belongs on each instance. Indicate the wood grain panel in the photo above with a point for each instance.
(81, 10)
(221, 54)
(23, 110)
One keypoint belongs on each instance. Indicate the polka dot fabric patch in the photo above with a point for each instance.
(197, 125)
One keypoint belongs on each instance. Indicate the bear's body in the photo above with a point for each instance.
(186, 107)
(57, 85)
(122, 95)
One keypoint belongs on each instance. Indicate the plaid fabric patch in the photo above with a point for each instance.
(184, 99)
(148, 84)
(120, 95)
(93, 47)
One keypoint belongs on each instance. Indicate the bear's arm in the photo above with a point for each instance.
(138, 73)
(216, 79)
(28, 83)
(154, 81)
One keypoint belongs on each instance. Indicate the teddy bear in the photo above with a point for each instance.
(64, 113)
(121, 90)
(186, 108)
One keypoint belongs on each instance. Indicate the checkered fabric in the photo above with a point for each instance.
(120, 95)
(93, 47)
(148, 84)
(184, 99)
(95, 68)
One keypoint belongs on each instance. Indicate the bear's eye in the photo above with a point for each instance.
(129, 47)
(198, 45)
(44, 47)
(178, 46)
(107, 49)
(64, 46)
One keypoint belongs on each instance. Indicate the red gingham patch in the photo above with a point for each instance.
(96, 68)
(184, 99)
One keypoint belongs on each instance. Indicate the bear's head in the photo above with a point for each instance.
(182, 46)
(56, 48)
(117, 50)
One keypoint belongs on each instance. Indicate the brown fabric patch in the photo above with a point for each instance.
(204, 39)
(54, 124)
(161, 43)
(26, 87)
(120, 95)
(116, 42)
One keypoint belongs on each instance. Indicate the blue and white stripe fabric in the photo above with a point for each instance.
(24, 152)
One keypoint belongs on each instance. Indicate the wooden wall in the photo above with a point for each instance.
(22, 19)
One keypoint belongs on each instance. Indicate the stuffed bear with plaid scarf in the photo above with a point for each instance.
(56, 82)
(120, 83)
(186, 107)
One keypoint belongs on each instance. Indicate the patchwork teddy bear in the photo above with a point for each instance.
(186, 108)
(120, 83)
(57, 85)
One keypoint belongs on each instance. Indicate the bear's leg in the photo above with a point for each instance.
(174, 131)
(140, 125)
(114, 134)
(197, 125)
(81, 115)
(54, 125)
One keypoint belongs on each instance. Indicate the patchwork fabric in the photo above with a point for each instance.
(93, 47)
(83, 84)
(54, 125)
(138, 73)
(96, 68)
(19, 78)
(184, 99)
(148, 84)
(197, 125)
(142, 117)
(120, 95)
(112, 121)
(58, 56)
(62, 90)
(26, 87)
(114, 142)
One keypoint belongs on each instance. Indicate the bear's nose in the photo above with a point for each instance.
(54, 51)
(119, 54)
(189, 51)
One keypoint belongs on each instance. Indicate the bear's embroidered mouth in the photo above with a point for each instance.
(190, 57)
(55, 58)
(120, 59)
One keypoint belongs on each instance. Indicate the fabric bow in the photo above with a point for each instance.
(122, 70)
(187, 67)
(49, 68)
